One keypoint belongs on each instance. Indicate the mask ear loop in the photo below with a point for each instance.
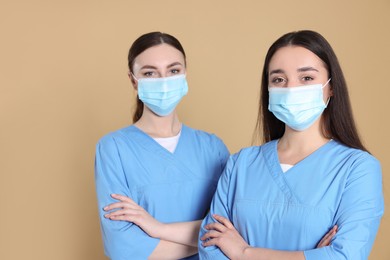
(131, 73)
(327, 102)
(323, 86)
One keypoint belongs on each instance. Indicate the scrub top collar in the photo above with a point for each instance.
(270, 154)
(150, 144)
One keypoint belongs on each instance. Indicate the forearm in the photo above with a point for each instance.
(255, 253)
(170, 250)
(185, 233)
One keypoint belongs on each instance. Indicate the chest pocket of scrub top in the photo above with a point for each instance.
(281, 226)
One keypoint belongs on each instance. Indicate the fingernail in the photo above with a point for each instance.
(105, 208)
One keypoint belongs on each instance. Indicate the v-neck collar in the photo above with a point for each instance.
(149, 143)
(274, 151)
(176, 158)
(270, 154)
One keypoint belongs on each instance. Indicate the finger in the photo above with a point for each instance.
(115, 205)
(215, 226)
(122, 212)
(210, 242)
(335, 228)
(210, 235)
(118, 205)
(133, 214)
(331, 233)
(325, 241)
(122, 198)
(226, 222)
(122, 218)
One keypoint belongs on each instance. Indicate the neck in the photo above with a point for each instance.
(296, 145)
(157, 126)
(301, 140)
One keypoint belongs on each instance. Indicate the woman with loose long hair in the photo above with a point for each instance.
(312, 174)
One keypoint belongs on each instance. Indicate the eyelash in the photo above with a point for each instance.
(148, 73)
(175, 71)
(278, 80)
(151, 73)
(307, 78)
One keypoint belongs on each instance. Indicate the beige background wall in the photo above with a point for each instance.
(63, 85)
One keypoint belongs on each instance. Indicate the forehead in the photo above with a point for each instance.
(294, 57)
(159, 55)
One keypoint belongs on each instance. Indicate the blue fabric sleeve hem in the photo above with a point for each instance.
(317, 254)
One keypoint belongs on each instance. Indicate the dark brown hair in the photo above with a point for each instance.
(141, 44)
(337, 118)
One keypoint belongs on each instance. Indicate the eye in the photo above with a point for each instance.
(175, 71)
(148, 74)
(277, 81)
(307, 78)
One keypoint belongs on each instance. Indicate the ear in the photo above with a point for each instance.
(330, 90)
(133, 81)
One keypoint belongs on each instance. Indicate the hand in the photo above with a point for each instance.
(325, 241)
(128, 210)
(226, 237)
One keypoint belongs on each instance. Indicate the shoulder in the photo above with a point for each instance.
(245, 157)
(355, 157)
(121, 134)
(248, 152)
(252, 152)
(363, 177)
(243, 165)
(200, 133)
(203, 136)
(253, 158)
(362, 167)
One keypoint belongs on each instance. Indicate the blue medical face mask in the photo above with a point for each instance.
(297, 107)
(161, 95)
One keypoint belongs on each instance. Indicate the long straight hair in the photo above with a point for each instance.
(337, 119)
(144, 42)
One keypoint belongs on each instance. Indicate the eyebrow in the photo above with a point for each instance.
(174, 64)
(148, 67)
(278, 71)
(155, 68)
(303, 69)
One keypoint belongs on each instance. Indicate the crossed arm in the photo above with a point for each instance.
(226, 237)
(177, 240)
(180, 239)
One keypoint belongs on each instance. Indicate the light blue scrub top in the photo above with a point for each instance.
(172, 187)
(295, 209)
